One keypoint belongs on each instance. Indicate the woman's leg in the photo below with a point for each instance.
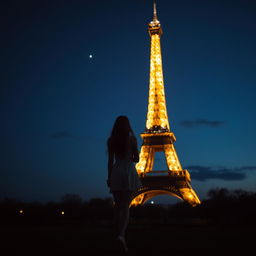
(118, 199)
(122, 202)
(125, 212)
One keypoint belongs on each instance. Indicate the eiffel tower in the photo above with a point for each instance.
(158, 137)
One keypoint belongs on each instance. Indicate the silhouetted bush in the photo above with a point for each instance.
(71, 199)
(224, 207)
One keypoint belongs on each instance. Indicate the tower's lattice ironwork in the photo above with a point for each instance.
(158, 137)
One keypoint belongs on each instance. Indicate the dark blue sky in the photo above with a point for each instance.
(58, 105)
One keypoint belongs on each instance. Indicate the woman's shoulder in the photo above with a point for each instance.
(133, 139)
(109, 141)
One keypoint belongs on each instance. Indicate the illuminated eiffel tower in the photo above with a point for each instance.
(158, 137)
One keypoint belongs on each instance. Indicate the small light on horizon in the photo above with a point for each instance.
(90, 56)
(21, 211)
(62, 213)
(152, 202)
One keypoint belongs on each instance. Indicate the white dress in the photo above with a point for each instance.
(124, 176)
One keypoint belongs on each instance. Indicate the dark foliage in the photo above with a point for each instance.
(223, 207)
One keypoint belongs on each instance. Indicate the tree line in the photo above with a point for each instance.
(223, 207)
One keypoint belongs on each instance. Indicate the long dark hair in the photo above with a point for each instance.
(119, 138)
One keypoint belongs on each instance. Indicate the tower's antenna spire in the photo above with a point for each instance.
(155, 14)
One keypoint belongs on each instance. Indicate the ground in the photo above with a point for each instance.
(77, 238)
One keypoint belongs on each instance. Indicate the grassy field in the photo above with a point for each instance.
(78, 238)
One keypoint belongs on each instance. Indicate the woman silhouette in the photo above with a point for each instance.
(123, 179)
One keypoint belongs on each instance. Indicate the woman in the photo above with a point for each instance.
(123, 179)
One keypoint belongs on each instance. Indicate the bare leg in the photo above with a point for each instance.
(124, 213)
(117, 198)
(122, 202)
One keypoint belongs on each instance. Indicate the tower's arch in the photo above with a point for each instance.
(143, 197)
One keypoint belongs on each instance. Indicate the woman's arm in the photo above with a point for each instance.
(135, 152)
(110, 161)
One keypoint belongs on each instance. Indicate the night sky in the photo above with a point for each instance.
(58, 105)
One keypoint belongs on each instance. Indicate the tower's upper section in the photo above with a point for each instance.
(154, 27)
(157, 119)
